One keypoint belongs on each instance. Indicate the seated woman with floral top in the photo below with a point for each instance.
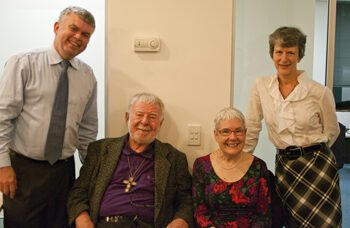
(230, 187)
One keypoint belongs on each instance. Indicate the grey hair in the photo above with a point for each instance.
(85, 15)
(228, 114)
(288, 37)
(147, 98)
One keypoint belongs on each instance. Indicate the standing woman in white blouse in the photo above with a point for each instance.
(301, 121)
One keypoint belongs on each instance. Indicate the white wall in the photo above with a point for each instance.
(255, 21)
(320, 41)
(29, 24)
(191, 73)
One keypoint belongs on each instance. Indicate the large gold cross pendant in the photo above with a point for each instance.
(129, 183)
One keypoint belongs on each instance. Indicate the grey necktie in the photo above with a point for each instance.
(55, 136)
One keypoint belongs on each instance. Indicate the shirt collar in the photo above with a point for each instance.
(55, 58)
(299, 93)
(148, 153)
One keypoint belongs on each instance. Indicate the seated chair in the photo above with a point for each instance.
(338, 147)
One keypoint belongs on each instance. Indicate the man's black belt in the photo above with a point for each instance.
(21, 156)
(294, 152)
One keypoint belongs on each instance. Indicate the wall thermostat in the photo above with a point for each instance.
(146, 44)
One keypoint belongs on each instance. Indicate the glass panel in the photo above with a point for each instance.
(341, 81)
(320, 41)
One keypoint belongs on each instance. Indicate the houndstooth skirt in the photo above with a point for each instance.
(309, 189)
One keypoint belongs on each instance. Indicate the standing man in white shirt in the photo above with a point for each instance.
(38, 90)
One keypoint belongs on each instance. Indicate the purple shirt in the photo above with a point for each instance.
(118, 202)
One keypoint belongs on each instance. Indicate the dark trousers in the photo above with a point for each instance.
(41, 195)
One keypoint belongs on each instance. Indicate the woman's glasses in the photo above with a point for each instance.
(228, 132)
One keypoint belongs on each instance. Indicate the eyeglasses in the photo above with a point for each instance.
(228, 132)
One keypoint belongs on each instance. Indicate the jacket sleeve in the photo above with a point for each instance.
(183, 197)
(78, 199)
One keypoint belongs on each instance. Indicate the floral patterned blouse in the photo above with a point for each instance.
(244, 203)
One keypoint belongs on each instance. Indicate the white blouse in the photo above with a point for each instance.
(307, 116)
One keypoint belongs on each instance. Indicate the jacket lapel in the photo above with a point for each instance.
(109, 161)
(161, 172)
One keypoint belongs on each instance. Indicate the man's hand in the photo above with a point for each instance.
(8, 182)
(178, 223)
(83, 221)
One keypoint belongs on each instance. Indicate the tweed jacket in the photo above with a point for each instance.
(172, 194)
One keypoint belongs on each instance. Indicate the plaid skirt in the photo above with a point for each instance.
(309, 189)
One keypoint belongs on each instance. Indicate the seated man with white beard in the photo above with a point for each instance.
(134, 180)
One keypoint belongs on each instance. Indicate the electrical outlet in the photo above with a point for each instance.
(194, 134)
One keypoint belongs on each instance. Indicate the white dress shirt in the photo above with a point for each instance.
(27, 93)
(307, 116)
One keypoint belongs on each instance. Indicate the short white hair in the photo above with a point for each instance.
(148, 98)
(228, 113)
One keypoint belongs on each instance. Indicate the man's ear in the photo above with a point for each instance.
(127, 116)
(56, 27)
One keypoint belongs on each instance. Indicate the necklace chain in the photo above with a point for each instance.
(129, 183)
(137, 169)
(233, 166)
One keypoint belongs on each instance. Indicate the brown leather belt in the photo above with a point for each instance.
(294, 152)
